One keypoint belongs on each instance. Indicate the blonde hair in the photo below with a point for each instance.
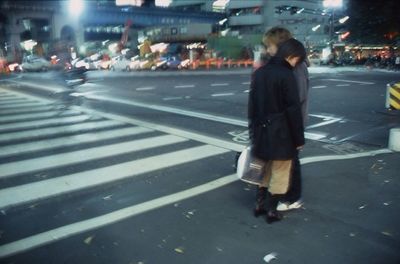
(276, 35)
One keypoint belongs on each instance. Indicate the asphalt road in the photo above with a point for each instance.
(138, 168)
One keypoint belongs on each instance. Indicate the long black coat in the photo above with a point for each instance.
(274, 112)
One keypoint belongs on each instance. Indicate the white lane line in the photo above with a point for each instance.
(31, 192)
(63, 232)
(66, 231)
(219, 84)
(349, 81)
(145, 88)
(173, 98)
(246, 83)
(184, 86)
(89, 137)
(53, 131)
(173, 110)
(12, 100)
(26, 117)
(12, 169)
(343, 85)
(31, 109)
(319, 87)
(51, 121)
(222, 94)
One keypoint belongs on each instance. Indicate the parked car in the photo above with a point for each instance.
(34, 63)
(86, 63)
(120, 63)
(14, 67)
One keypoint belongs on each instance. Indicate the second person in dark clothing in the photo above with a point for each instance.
(276, 124)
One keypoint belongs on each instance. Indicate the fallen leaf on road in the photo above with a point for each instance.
(386, 233)
(270, 257)
(88, 240)
(179, 250)
(108, 197)
(362, 206)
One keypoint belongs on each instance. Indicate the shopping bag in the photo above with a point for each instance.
(249, 168)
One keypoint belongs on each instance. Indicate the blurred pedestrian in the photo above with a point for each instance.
(276, 125)
(271, 40)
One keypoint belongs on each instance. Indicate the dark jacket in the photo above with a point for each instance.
(303, 83)
(274, 112)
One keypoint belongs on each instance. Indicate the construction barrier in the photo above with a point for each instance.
(393, 96)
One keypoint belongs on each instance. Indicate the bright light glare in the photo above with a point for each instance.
(300, 10)
(163, 3)
(333, 3)
(221, 22)
(75, 7)
(343, 19)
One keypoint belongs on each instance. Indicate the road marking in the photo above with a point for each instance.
(44, 189)
(25, 104)
(342, 85)
(319, 87)
(184, 86)
(69, 129)
(222, 94)
(172, 98)
(145, 88)
(28, 110)
(246, 83)
(25, 117)
(12, 101)
(349, 81)
(327, 121)
(13, 169)
(65, 141)
(66, 231)
(49, 88)
(63, 232)
(51, 121)
(246, 91)
(219, 84)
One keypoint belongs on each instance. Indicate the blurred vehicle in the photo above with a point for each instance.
(104, 63)
(147, 64)
(74, 76)
(86, 63)
(14, 67)
(173, 63)
(120, 63)
(135, 63)
(185, 64)
(34, 63)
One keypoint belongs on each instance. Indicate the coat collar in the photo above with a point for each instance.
(280, 61)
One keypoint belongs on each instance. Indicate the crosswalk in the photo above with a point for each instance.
(49, 154)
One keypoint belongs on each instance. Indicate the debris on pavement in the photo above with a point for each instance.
(270, 257)
(362, 206)
(179, 250)
(108, 197)
(88, 240)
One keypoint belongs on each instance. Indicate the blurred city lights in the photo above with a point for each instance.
(343, 19)
(75, 7)
(333, 3)
(129, 2)
(163, 3)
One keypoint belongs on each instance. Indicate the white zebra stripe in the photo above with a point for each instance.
(61, 185)
(51, 121)
(25, 117)
(89, 137)
(12, 169)
(52, 131)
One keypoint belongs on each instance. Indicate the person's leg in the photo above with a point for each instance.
(272, 202)
(261, 195)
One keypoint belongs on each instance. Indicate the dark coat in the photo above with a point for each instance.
(274, 112)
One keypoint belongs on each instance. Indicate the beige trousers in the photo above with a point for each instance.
(277, 176)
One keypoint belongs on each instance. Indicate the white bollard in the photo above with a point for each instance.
(394, 139)
(387, 102)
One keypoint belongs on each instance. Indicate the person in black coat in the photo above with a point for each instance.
(276, 127)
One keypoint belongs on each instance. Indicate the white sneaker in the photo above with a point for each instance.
(287, 206)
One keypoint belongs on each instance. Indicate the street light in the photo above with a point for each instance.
(75, 7)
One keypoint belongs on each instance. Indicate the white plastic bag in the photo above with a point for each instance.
(250, 169)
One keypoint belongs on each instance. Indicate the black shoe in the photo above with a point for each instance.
(258, 212)
(273, 216)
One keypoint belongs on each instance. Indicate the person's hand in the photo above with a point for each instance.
(300, 147)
